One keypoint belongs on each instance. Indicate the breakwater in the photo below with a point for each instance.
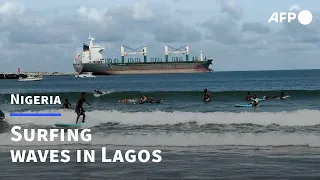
(12, 76)
(26, 74)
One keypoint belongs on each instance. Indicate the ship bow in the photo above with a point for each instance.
(78, 67)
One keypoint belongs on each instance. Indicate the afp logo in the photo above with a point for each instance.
(304, 17)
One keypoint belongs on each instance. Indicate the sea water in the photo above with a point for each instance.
(214, 140)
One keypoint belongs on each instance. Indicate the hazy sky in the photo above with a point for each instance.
(44, 35)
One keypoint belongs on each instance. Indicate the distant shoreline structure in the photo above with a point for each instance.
(12, 75)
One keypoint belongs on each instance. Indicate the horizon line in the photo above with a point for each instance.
(213, 71)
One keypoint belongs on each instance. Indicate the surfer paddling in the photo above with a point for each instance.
(281, 96)
(145, 99)
(79, 109)
(98, 92)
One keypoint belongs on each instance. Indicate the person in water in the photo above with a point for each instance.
(97, 91)
(66, 104)
(255, 101)
(206, 95)
(124, 100)
(144, 98)
(79, 109)
(248, 97)
(141, 100)
(2, 116)
(281, 96)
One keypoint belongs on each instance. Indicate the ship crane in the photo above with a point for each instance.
(176, 51)
(133, 51)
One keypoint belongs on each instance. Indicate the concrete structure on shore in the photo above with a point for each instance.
(10, 75)
(51, 73)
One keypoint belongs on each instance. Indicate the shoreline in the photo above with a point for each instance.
(13, 75)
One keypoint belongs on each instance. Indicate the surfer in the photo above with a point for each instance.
(124, 100)
(66, 104)
(255, 101)
(281, 96)
(97, 91)
(141, 100)
(248, 97)
(79, 109)
(206, 95)
(2, 116)
(145, 98)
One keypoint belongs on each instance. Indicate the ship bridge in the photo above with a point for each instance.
(90, 53)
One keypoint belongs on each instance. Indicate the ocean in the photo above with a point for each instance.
(199, 140)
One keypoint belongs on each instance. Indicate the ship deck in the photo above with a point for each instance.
(170, 62)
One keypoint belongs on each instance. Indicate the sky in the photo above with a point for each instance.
(38, 35)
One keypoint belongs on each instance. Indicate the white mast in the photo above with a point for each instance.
(91, 39)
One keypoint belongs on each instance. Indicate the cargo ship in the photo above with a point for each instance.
(90, 59)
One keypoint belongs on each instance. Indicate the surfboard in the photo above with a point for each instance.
(99, 95)
(154, 102)
(284, 97)
(259, 99)
(129, 101)
(66, 125)
(244, 105)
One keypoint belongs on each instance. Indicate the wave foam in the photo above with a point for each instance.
(95, 118)
(178, 139)
(184, 140)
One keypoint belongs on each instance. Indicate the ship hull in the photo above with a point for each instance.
(145, 68)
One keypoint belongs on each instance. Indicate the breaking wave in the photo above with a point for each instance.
(184, 129)
(95, 118)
